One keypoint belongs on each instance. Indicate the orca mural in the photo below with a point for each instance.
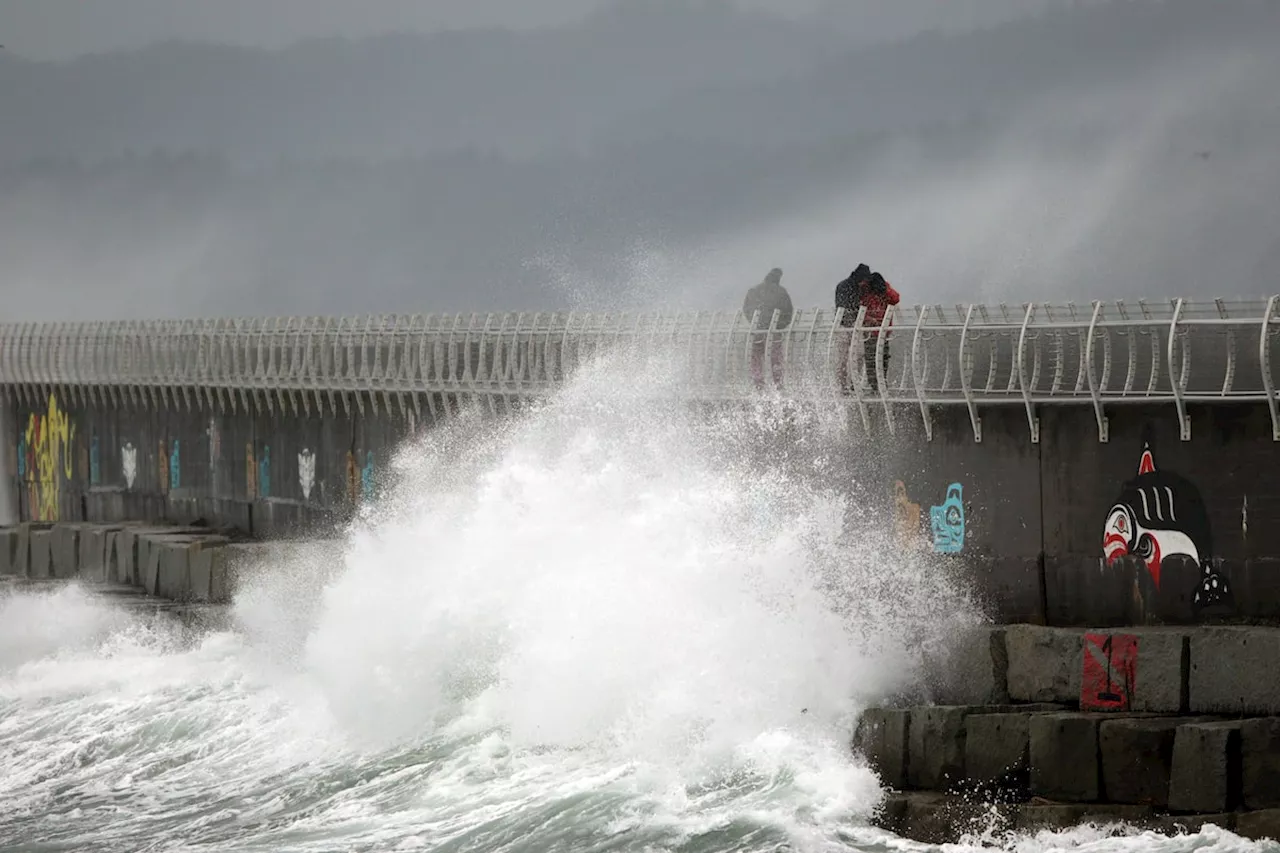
(1160, 514)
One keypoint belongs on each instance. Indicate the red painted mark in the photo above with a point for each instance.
(1110, 670)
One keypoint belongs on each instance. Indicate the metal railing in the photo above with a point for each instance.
(1100, 355)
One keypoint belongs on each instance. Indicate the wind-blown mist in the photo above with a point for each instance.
(666, 154)
(584, 627)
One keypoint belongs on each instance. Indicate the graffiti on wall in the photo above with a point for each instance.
(947, 522)
(945, 529)
(1109, 672)
(1160, 514)
(264, 472)
(46, 460)
(95, 463)
(906, 516)
(162, 467)
(175, 466)
(306, 472)
(250, 472)
(366, 475)
(129, 463)
(353, 478)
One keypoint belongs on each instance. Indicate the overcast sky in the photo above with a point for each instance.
(61, 29)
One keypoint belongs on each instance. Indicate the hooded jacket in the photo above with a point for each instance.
(766, 297)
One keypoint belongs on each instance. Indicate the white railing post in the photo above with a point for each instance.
(1178, 377)
(1099, 415)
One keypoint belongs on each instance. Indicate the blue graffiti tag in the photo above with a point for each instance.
(264, 473)
(175, 470)
(366, 476)
(948, 522)
(95, 469)
(22, 456)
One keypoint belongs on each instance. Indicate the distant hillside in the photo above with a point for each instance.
(665, 154)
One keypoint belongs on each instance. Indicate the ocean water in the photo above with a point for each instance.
(611, 623)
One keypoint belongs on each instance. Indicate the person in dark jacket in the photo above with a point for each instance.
(864, 289)
(762, 301)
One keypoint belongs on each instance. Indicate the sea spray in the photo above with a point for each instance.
(616, 620)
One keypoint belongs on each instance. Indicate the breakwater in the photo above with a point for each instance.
(1031, 727)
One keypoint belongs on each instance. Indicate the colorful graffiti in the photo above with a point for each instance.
(175, 466)
(306, 472)
(129, 463)
(353, 478)
(1160, 514)
(95, 463)
(947, 522)
(46, 460)
(162, 467)
(906, 516)
(264, 473)
(250, 472)
(366, 475)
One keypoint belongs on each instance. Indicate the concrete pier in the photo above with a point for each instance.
(1160, 728)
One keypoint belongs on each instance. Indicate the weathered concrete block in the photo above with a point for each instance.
(173, 572)
(149, 557)
(972, 670)
(1163, 666)
(1261, 825)
(937, 738)
(1064, 757)
(201, 567)
(41, 557)
(64, 549)
(9, 538)
(1205, 774)
(1260, 762)
(126, 557)
(1137, 756)
(996, 747)
(1233, 670)
(881, 738)
(935, 750)
(94, 540)
(1057, 817)
(1044, 663)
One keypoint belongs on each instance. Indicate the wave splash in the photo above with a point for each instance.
(613, 621)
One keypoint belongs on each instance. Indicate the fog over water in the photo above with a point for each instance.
(216, 158)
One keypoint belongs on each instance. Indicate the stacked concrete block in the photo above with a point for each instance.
(1137, 757)
(10, 537)
(41, 554)
(1064, 757)
(1260, 762)
(1205, 775)
(1044, 664)
(997, 746)
(1233, 670)
(971, 670)
(95, 540)
(64, 549)
(1161, 672)
(881, 738)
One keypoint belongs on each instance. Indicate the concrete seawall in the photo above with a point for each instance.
(1032, 727)
(1065, 531)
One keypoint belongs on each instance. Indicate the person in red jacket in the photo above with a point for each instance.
(877, 294)
(870, 290)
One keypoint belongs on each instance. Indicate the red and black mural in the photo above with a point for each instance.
(1158, 518)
